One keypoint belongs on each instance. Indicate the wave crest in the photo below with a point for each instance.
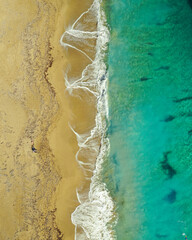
(94, 216)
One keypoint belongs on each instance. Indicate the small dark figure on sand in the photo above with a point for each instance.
(32, 147)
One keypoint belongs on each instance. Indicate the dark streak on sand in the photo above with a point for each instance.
(49, 65)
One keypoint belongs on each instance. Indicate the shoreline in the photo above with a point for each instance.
(62, 140)
(93, 217)
(34, 203)
(40, 189)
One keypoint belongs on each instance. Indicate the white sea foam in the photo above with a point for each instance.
(93, 218)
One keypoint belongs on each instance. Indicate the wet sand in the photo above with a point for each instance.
(38, 190)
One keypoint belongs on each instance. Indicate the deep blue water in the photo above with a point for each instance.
(149, 171)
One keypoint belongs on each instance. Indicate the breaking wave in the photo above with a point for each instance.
(93, 218)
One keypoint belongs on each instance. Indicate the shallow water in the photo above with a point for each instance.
(150, 127)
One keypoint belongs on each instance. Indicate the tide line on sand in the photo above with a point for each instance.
(93, 218)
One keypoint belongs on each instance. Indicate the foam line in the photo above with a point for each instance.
(80, 137)
(95, 213)
(81, 16)
(71, 46)
(84, 88)
(81, 142)
(77, 81)
(82, 34)
(80, 150)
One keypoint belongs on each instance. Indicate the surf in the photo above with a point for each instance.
(89, 35)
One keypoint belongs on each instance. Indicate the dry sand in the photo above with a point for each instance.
(38, 190)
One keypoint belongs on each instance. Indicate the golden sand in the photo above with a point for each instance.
(38, 190)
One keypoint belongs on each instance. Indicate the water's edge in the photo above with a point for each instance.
(93, 218)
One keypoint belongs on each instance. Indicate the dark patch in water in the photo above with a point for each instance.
(162, 68)
(190, 132)
(188, 114)
(117, 187)
(111, 128)
(114, 159)
(171, 197)
(185, 90)
(167, 168)
(103, 93)
(165, 154)
(190, 3)
(102, 78)
(160, 24)
(116, 163)
(182, 99)
(161, 235)
(144, 79)
(169, 118)
(150, 54)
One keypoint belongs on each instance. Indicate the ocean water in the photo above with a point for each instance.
(149, 169)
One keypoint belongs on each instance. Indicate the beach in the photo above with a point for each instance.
(62, 140)
(38, 190)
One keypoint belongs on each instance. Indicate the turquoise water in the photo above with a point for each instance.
(149, 172)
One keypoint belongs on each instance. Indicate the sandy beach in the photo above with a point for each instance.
(38, 190)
